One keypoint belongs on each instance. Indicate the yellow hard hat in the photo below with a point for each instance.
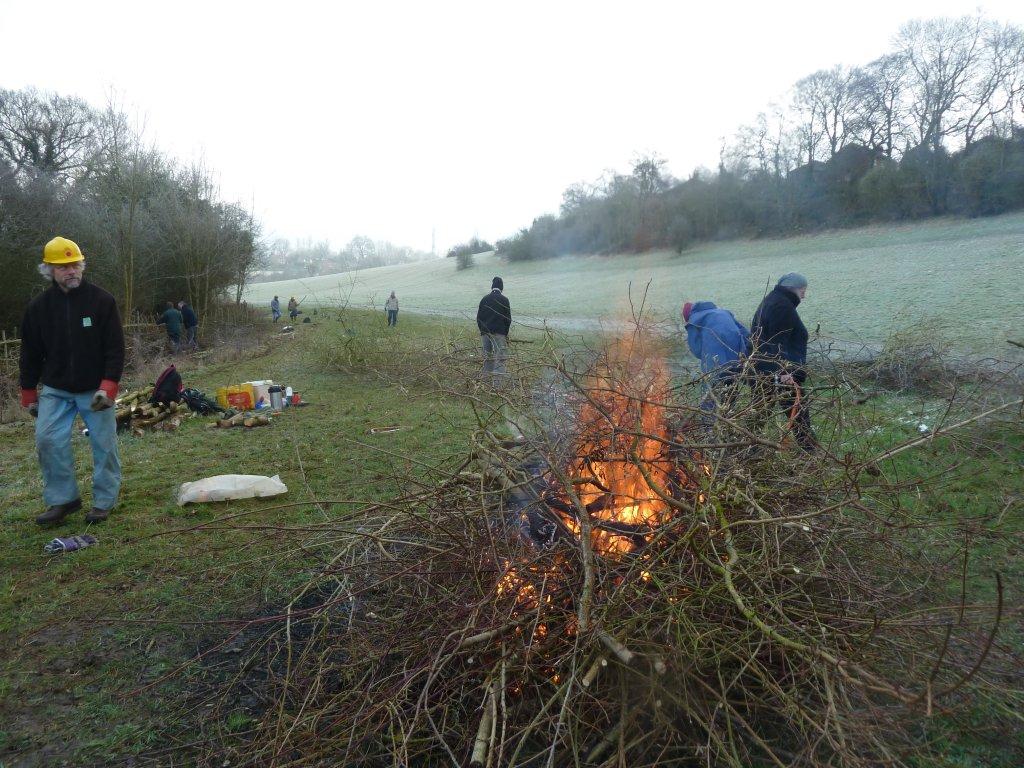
(60, 250)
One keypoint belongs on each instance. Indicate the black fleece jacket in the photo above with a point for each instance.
(779, 334)
(71, 341)
(494, 315)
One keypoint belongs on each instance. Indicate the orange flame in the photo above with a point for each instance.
(623, 428)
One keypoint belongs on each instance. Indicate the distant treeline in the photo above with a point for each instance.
(931, 128)
(152, 229)
(308, 258)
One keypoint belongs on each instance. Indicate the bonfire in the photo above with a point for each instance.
(613, 589)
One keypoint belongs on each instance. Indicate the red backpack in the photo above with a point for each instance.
(168, 387)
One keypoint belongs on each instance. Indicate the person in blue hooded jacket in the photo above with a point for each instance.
(719, 341)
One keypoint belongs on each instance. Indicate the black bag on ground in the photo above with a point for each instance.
(168, 387)
(198, 402)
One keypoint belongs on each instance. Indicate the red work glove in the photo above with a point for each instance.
(105, 395)
(30, 400)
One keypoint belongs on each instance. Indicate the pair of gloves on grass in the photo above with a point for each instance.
(101, 400)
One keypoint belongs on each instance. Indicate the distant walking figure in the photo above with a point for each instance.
(391, 307)
(275, 308)
(780, 349)
(493, 319)
(293, 308)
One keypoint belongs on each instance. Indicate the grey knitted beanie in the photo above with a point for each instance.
(792, 280)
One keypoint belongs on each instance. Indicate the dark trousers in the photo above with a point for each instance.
(791, 399)
(392, 317)
(720, 388)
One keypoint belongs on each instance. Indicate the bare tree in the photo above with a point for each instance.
(996, 82)
(123, 185)
(808, 127)
(764, 146)
(46, 133)
(649, 175)
(828, 96)
(943, 58)
(878, 102)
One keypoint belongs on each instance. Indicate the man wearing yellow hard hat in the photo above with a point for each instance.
(72, 343)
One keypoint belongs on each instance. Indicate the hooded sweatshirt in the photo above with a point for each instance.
(715, 337)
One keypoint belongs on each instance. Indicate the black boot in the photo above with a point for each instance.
(58, 512)
(97, 515)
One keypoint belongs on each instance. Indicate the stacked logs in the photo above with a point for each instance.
(241, 420)
(135, 412)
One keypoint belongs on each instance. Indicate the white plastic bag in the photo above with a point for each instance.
(224, 487)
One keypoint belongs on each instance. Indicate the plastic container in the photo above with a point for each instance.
(261, 391)
(238, 396)
(276, 400)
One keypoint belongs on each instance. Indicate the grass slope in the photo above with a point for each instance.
(89, 637)
(967, 275)
(84, 635)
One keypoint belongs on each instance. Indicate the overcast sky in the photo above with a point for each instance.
(395, 119)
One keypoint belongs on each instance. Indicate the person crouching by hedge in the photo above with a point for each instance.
(780, 355)
(72, 343)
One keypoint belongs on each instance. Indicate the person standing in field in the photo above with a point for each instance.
(191, 321)
(293, 308)
(780, 355)
(719, 341)
(493, 319)
(275, 308)
(391, 307)
(172, 318)
(72, 343)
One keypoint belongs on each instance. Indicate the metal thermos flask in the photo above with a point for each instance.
(276, 400)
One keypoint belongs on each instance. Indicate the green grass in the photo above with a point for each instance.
(864, 283)
(89, 637)
(83, 634)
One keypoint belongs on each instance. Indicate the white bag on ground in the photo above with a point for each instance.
(224, 487)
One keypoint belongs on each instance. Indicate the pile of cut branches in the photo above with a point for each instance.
(776, 611)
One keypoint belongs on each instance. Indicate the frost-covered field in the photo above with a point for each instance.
(964, 278)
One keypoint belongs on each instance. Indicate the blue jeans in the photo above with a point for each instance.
(57, 410)
(392, 317)
(190, 336)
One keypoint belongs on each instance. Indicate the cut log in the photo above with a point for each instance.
(482, 744)
(599, 663)
(153, 419)
(623, 653)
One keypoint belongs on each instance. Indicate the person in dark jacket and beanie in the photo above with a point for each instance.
(72, 343)
(191, 322)
(493, 319)
(780, 355)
